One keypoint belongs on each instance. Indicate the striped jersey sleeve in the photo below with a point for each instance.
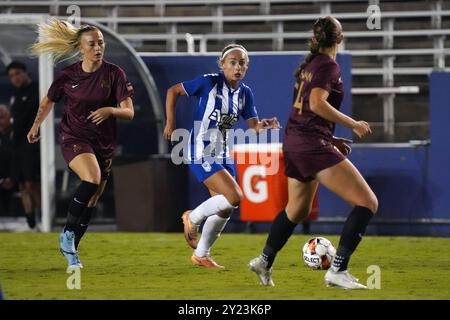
(249, 109)
(200, 85)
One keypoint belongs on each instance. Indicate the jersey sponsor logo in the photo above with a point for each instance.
(75, 85)
(227, 121)
(224, 121)
(215, 116)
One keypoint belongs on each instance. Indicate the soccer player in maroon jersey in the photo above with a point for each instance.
(313, 155)
(95, 92)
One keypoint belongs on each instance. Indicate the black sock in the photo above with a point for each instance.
(79, 202)
(354, 228)
(83, 225)
(31, 219)
(306, 227)
(280, 231)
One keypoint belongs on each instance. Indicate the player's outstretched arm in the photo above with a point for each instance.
(171, 103)
(320, 106)
(45, 107)
(262, 124)
(124, 111)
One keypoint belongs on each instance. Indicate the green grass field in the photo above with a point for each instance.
(157, 266)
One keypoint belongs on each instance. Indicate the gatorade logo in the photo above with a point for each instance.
(254, 185)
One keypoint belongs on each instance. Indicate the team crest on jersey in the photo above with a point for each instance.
(76, 148)
(105, 84)
(206, 166)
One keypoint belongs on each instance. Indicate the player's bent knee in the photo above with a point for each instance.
(371, 203)
(92, 179)
(239, 196)
(235, 201)
(297, 214)
(374, 204)
(225, 214)
(235, 197)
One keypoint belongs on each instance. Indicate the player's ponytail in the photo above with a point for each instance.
(326, 32)
(313, 51)
(59, 38)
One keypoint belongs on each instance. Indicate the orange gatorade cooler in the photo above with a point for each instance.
(260, 173)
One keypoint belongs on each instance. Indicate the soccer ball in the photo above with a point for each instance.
(318, 253)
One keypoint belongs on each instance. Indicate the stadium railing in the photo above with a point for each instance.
(216, 19)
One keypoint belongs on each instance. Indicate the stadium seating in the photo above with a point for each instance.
(382, 58)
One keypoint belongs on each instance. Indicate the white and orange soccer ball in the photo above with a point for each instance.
(318, 253)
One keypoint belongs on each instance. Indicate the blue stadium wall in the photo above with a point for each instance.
(412, 182)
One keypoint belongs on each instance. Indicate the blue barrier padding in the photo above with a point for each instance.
(412, 182)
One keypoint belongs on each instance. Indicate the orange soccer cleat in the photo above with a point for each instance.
(207, 262)
(190, 231)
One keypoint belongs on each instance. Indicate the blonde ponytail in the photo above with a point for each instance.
(59, 38)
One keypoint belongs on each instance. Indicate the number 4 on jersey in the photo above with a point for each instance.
(298, 102)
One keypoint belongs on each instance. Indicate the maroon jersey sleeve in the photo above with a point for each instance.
(56, 90)
(122, 86)
(326, 76)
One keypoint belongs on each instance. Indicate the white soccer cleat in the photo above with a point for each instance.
(352, 277)
(259, 266)
(342, 279)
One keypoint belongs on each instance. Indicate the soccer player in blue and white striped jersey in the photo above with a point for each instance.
(222, 99)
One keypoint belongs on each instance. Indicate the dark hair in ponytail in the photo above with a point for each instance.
(326, 32)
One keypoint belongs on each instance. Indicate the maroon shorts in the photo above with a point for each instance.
(72, 148)
(304, 166)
